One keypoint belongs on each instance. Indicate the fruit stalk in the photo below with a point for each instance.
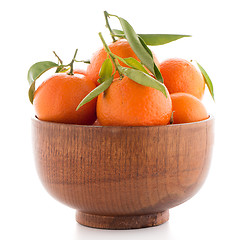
(110, 54)
(108, 26)
(60, 62)
(71, 63)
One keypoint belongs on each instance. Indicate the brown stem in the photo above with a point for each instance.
(71, 63)
(108, 25)
(59, 59)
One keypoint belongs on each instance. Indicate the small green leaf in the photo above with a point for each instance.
(96, 91)
(106, 70)
(207, 80)
(132, 62)
(35, 71)
(62, 69)
(136, 45)
(153, 39)
(118, 33)
(143, 79)
(83, 61)
(160, 39)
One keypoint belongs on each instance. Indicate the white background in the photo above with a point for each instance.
(30, 30)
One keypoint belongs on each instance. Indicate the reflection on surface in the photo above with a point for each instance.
(159, 232)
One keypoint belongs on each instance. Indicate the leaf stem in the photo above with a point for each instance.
(110, 54)
(106, 15)
(71, 63)
(59, 59)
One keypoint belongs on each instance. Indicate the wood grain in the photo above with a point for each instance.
(116, 173)
(122, 222)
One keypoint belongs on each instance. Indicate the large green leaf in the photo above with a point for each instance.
(207, 80)
(35, 71)
(145, 46)
(160, 39)
(136, 45)
(156, 73)
(143, 79)
(139, 47)
(153, 39)
(96, 91)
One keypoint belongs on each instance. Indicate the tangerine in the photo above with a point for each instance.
(187, 108)
(180, 75)
(127, 103)
(120, 48)
(57, 98)
(80, 71)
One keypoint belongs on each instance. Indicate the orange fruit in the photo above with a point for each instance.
(187, 108)
(180, 75)
(120, 48)
(80, 71)
(57, 98)
(127, 103)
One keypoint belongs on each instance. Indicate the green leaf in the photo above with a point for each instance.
(132, 62)
(31, 92)
(143, 79)
(207, 80)
(153, 39)
(145, 46)
(118, 33)
(35, 71)
(160, 39)
(96, 91)
(62, 69)
(106, 70)
(137, 46)
(171, 119)
(156, 73)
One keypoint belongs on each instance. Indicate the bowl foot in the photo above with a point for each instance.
(122, 222)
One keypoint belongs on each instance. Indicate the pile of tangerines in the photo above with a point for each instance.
(124, 85)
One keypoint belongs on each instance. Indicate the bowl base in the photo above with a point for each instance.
(122, 222)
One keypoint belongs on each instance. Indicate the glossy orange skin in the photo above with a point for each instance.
(121, 48)
(80, 71)
(187, 108)
(180, 75)
(127, 103)
(57, 98)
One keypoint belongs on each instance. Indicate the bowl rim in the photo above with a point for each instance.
(210, 118)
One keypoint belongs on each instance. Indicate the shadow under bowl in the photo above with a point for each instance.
(122, 177)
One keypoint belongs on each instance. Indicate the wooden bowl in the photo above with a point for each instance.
(122, 177)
